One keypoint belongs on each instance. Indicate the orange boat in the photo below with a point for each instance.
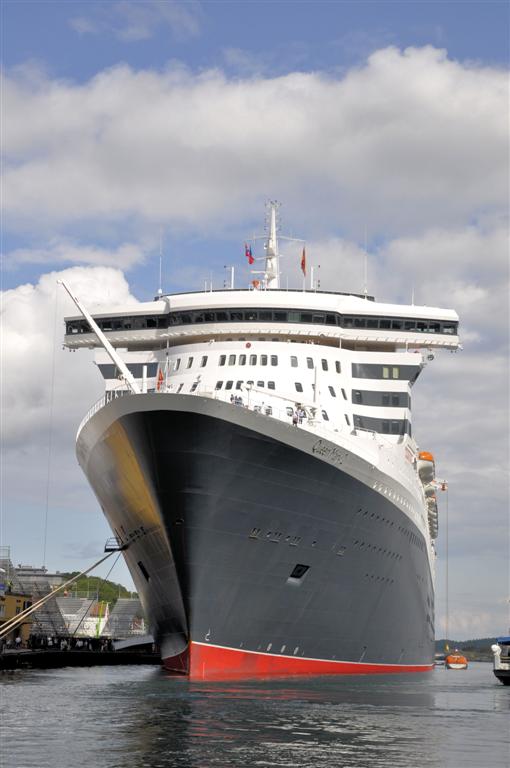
(456, 661)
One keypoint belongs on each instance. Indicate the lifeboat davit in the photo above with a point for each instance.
(456, 661)
(426, 467)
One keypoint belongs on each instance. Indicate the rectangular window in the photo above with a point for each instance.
(260, 383)
(306, 317)
(318, 319)
(265, 317)
(263, 359)
(242, 359)
(274, 359)
(299, 386)
(385, 372)
(223, 359)
(347, 420)
(270, 385)
(194, 386)
(344, 393)
(309, 362)
(236, 317)
(231, 359)
(385, 400)
(324, 364)
(239, 385)
(332, 391)
(325, 416)
(384, 323)
(395, 429)
(395, 373)
(229, 385)
(177, 364)
(396, 325)
(338, 367)
(395, 400)
(357, 398)
(293, 361)
(190, 362)
(359, 322)
(253, 359)
(219, 385)
(180, 387)
(330, 320)
(251, 316)
(203, 361)
(143, 570)
(281, 317)
(372, 322)
(386, 427)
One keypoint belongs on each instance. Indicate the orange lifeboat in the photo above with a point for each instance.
(426, 467)
(456, 661)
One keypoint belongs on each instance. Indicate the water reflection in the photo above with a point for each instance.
(127, 717)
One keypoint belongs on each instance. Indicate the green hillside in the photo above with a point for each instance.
(109, 591)
(478, 649)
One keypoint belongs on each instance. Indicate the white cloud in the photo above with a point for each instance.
(136, 20)
(407, 141)
(45, 393)
(62, 251)
(32, 340)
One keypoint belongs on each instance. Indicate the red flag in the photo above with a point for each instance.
(160, 379)
(248, 254)
(303, 262)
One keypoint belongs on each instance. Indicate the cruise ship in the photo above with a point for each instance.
(253, 454)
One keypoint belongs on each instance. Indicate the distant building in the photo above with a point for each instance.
(31, 574)
(11, 604)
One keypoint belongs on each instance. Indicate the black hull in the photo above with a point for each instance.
(219, 516)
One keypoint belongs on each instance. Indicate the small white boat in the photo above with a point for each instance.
(501, 651)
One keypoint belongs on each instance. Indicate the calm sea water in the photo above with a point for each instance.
(136, 717)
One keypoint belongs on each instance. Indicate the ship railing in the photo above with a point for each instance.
(108, 397)
(257, 401)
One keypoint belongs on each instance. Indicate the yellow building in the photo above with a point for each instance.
(11, 604)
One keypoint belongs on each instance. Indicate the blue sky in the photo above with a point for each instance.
(377, 119)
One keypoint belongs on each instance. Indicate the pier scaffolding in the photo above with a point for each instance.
(126, 620)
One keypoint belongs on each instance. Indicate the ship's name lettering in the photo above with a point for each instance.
(335, 455)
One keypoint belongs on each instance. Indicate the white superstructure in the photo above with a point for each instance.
(340, 365)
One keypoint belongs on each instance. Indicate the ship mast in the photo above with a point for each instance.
(272, 273)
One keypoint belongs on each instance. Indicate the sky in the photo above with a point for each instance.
(377, 125)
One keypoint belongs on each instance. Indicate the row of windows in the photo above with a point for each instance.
(385, 426)
(264, 359)
(273, 359)
(384, 399)
(171, 319)
(373, 371)
(239, 384)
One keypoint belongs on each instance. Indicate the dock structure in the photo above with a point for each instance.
(126, 620)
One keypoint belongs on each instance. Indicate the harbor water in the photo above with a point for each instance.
(137, 717)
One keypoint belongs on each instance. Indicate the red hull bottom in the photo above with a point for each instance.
(202, 661)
